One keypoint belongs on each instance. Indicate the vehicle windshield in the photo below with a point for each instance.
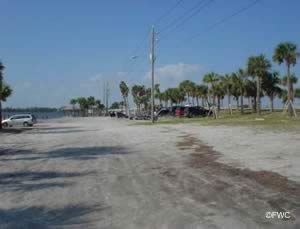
(150, 114)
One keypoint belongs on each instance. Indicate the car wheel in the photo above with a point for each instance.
(5, 124)
(25, 124)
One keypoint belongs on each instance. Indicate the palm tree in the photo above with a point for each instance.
(99, 106)
(211, 78)
(115, 105)
(125, 91)
(187, 87)
(293, 80)
(227, 81)
(283, 96)
(287, 53)
(297, 93)
(257, 67)
(73, 102)
(203, 93)
(193, 92)
(200, 91)
(145, 97)
(91, 101)
(84, 105)
(270, 87)
(1, 86)
(5, 91)
(167, 96)
(219, 92)
(140, 96)
(250, 92)
(163, 98)
(238, 80)
(175, 95)
(157, 93)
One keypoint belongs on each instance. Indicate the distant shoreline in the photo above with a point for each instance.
(38, 114)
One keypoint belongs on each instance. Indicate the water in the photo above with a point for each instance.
(38, 115)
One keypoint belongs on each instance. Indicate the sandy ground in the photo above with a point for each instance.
(107, 173)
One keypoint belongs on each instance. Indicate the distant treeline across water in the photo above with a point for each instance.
(39, 112)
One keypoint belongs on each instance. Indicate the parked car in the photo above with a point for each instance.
(164, 112)
(179, 111)
(121, 115)
(112, 114)
(20, 120)
(190, 112)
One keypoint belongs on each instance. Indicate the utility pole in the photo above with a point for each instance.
(107, 92)
(104, 93)
(152, 60)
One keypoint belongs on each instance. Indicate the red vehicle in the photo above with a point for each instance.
(179, 112)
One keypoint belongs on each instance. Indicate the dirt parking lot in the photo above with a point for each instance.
(108, 173)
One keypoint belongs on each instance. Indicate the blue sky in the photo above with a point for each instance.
(59, 49)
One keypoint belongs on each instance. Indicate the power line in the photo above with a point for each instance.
(223, 20)
(185, 15)
(181, 23)
(139, 51)
(163, 16)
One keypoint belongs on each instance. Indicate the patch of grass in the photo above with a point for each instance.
(276, 120)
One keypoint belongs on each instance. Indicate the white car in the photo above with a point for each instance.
(19, 120)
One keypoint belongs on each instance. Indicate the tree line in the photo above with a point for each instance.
(255, 80)
(86, 103)
(31, 109)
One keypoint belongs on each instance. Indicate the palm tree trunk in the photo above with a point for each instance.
(237, 102)
(127, 105)
(242, 104)
(0, 114)
(219, 103)
(258, 95)
(254, 105)
(197, 99)
(292, 92)
(271, 103)
(229, 102)
(290, 110)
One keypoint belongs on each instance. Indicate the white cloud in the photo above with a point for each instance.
(91, 81)
(170, 75)
(122, 74)
(96, 77)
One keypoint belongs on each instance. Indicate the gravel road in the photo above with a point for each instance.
(108, 173)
